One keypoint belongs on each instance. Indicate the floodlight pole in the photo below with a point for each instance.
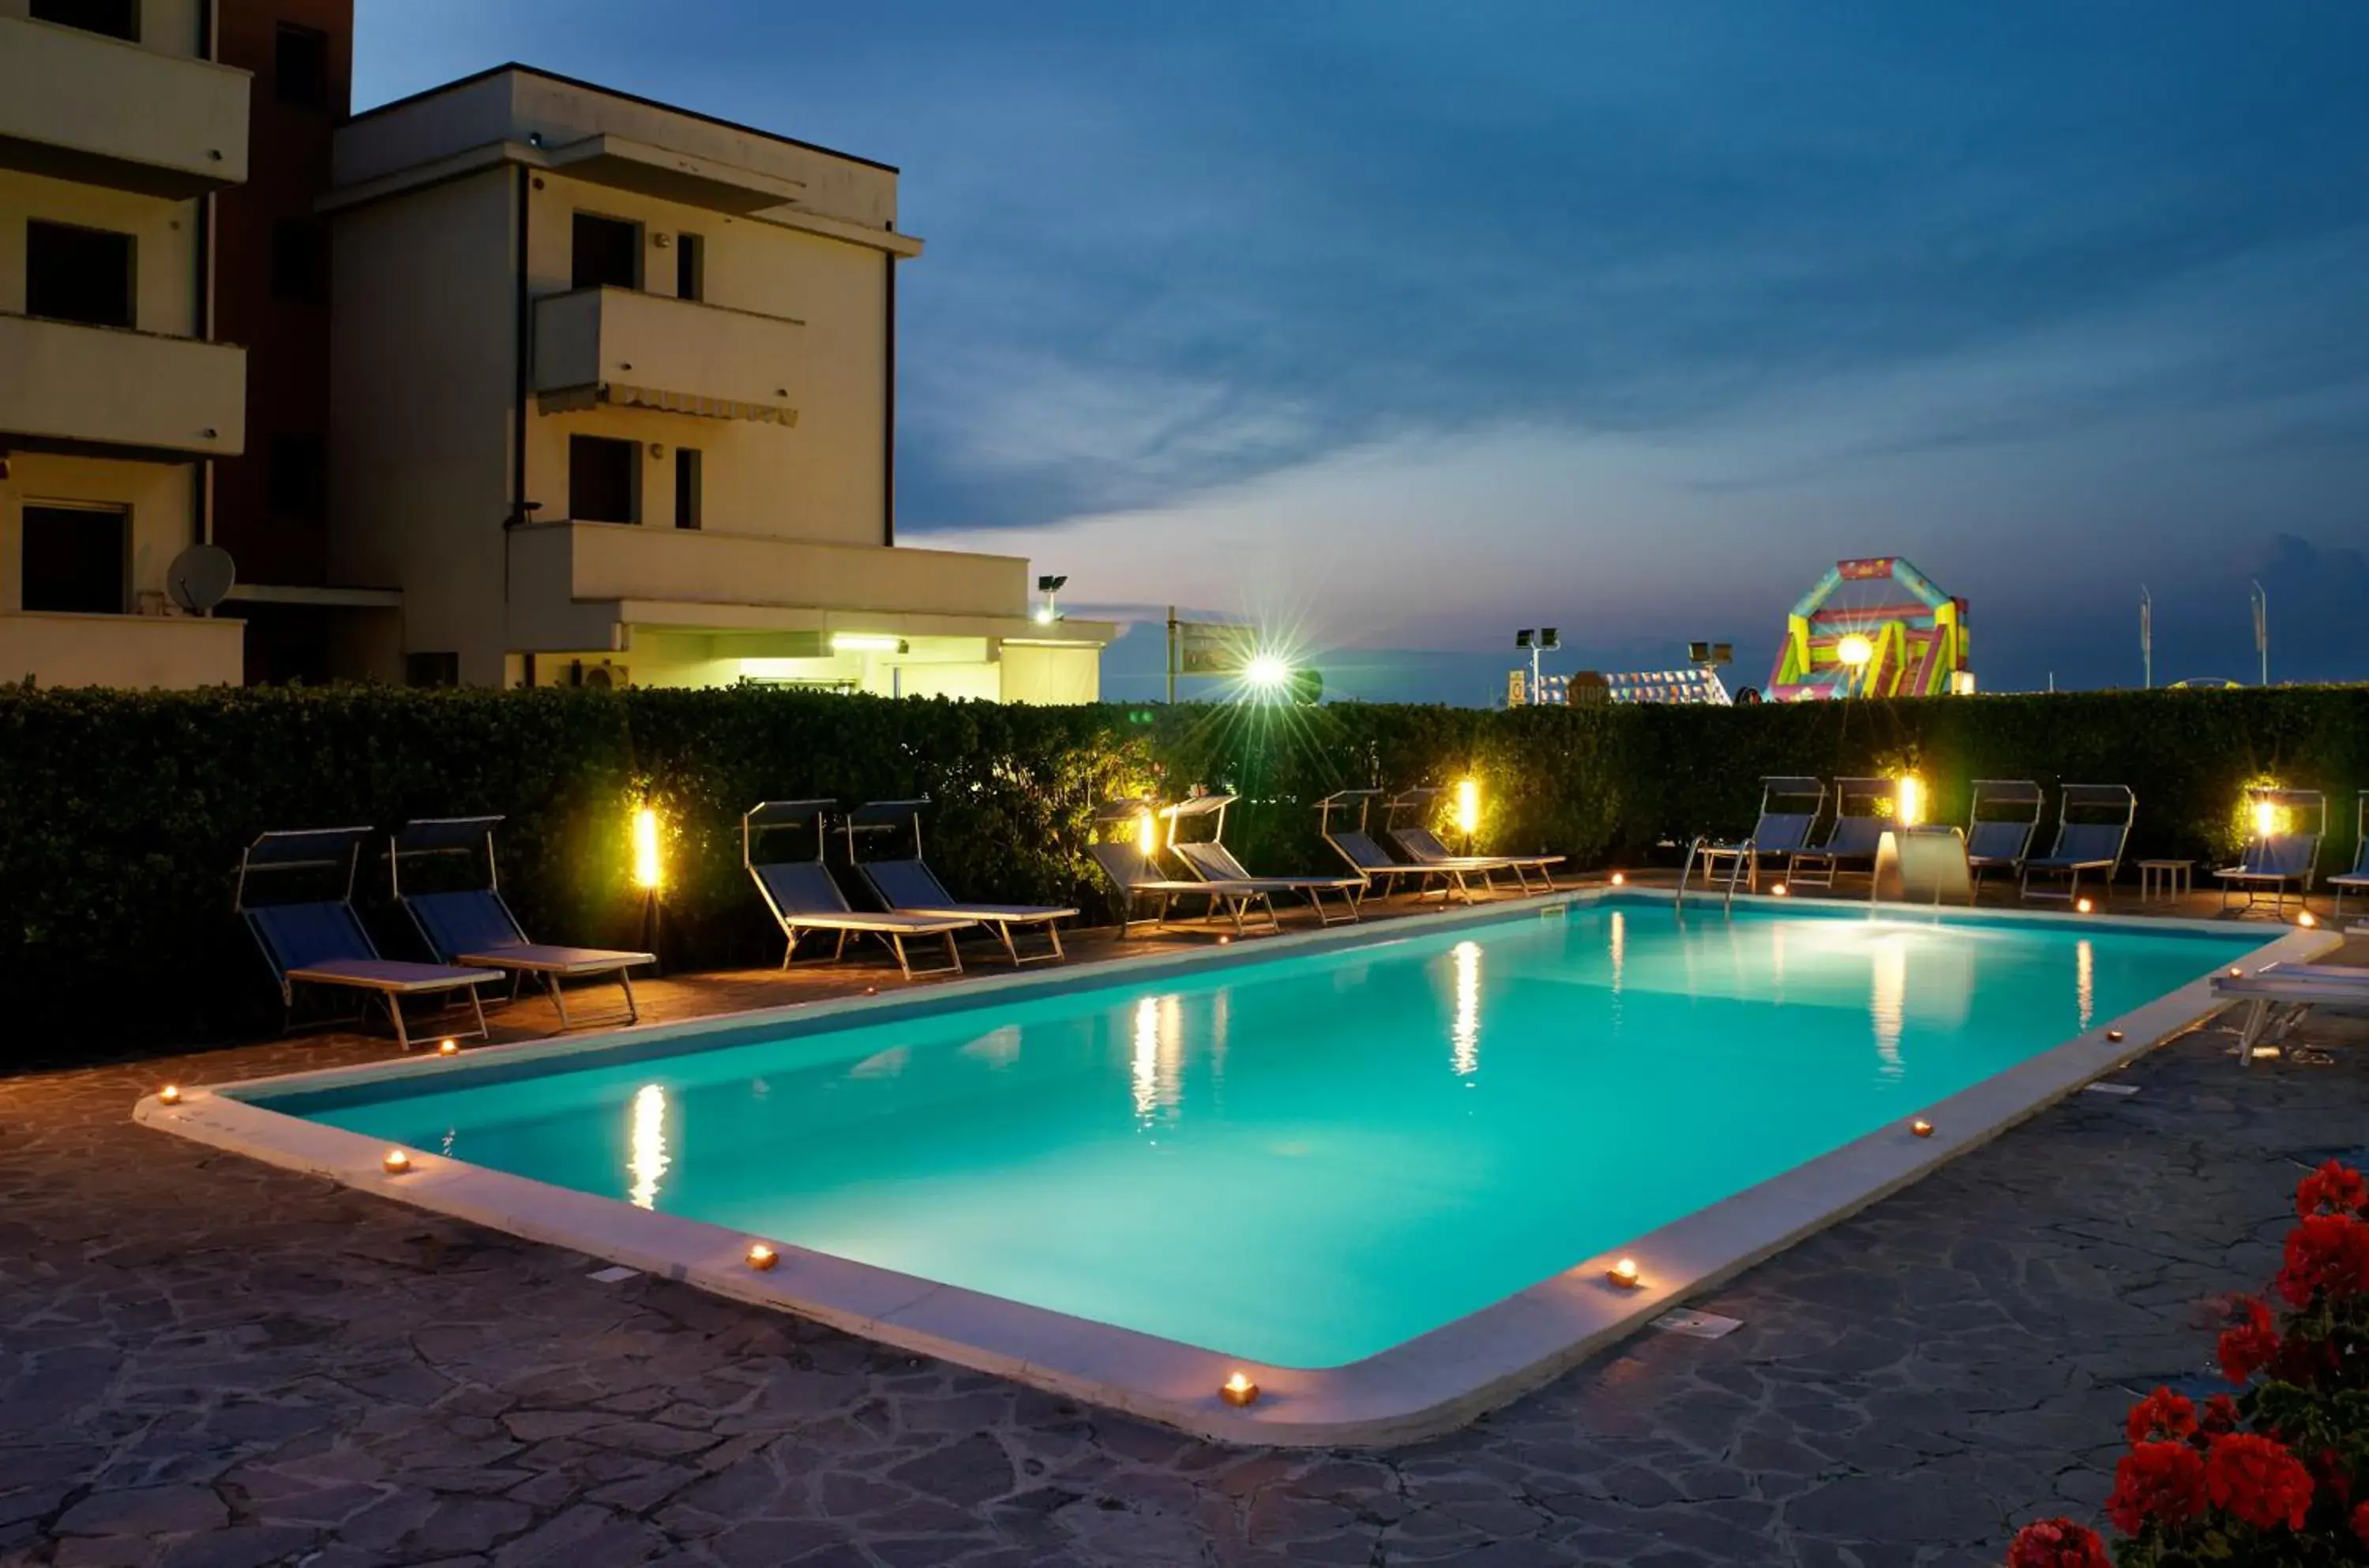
(2262, 629)
(1171, 654)
(2146, 636)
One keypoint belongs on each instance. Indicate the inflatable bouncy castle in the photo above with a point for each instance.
(1875, 628)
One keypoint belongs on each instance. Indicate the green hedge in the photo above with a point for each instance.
(122, 814)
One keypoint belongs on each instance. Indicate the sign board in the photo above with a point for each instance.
(1205, 648)
(1517, 688)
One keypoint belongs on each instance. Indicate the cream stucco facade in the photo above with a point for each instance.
(613, 399)
(110, 403)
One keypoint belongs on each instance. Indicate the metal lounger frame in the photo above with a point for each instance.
(1460, 867)
(2357, 879)
(1852, 836)
(1224, 867)
(1744, 855)
(770, 815)
(424, 837)
(1383, 868)
(2267, 861)
(2105, 799)
(2016, 806)
(319, 849)
(887, 816)
(1236, 902)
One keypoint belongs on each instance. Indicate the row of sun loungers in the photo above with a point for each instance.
(443, 875)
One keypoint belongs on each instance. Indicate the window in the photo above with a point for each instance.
(604, 479)
(686, 486)
(299, 262)
(116, 19)
(75, 274)
(299, 66)
(77, 559)
(431, 670)
(298, 482)
(608, 252)
(690, 267)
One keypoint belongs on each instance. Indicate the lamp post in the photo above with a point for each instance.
(2146, 636)
(1050, 587)
(2262, 629)
(1543, 640)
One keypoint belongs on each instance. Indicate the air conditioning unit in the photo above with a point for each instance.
(599, 674)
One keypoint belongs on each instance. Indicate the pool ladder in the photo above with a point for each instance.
(1746, 855)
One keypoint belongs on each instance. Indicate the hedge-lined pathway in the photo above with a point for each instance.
(206, 1361)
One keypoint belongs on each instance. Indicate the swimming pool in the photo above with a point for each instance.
(1310, 1157)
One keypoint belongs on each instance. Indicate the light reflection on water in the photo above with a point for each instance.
(646, 1141)
(1464, 1053)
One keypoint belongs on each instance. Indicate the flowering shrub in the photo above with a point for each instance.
(2270, 1477)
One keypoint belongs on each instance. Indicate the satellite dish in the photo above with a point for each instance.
(200, 578)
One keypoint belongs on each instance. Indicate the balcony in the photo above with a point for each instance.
(99, 111)
(172, 397)
(173, 651)
(626, 348)
(574, 585)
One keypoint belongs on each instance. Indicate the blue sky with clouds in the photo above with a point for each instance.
(1407, 324)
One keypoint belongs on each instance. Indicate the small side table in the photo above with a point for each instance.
(2165, 879)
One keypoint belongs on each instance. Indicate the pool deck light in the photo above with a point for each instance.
(1921, 1127)
(762, 1257)
(448, 1048)
(1238, 1391)
(396, 1163)
(2082, 906)
(2115, 1036)
(170, 1095)
(1624, 1274)
(1777, 889)
(1619, 878)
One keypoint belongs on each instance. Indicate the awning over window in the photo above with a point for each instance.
(617, 396)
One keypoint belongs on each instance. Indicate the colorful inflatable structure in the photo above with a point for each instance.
(1875, 629)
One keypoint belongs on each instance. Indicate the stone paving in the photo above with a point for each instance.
(207, 1363)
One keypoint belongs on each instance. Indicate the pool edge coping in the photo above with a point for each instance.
(1432, 1383)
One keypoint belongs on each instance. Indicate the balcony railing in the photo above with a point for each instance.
(178, 651)
(624, 347)
(76, 106)
(108, 386)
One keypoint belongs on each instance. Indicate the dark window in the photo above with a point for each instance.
(604, 479)
(116, 19)
(686, 486)
(73, 274)
(431, 670)
(608, 251)
(77, 559)
(299, 66)
(299, 477)
(690, 267)
(299, 262)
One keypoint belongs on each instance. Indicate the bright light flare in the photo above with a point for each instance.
(1908, 806)
(1468, 806)
(647, 874)
(1854, 651)
(1147, 833)
(2268, 819)
(1268, 671)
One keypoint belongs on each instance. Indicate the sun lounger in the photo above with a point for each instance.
(1367, 857)
(2277, 995)
(2000, 826)
(2093, 826)
(322, 942)
(1863, 809)
(2357, 879)
(909, 887)
(1423, 846)
(1209, 860)
(804, 899)
(1135, 876)
(473, 926)
(2278, 856)
(1780, 833)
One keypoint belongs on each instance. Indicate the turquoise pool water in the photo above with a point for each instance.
(1310, 1159)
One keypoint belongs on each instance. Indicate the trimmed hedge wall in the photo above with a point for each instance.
(122, 814)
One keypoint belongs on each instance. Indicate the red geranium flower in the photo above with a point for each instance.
(2251, 1344)
(2325, 1252)
(2159, 1481)
(2335, 1188)
(2161, 1414)
(2360, 1528)
(2058, 1543)
(2255, 1480)
(2220, 1414)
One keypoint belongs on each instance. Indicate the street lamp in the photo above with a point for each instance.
(1268, 671)
(1536, 641)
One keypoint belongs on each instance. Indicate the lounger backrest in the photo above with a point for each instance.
(1999, 840)
(470, 920)
(1780, 831)
(907, 885)
(296, 936)
(1856, 835)
(1420, 843)
(2283, 855)
(1361, 850)
(1215, 862)
(2090, 844)
(1123, 863)
(801, 888)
